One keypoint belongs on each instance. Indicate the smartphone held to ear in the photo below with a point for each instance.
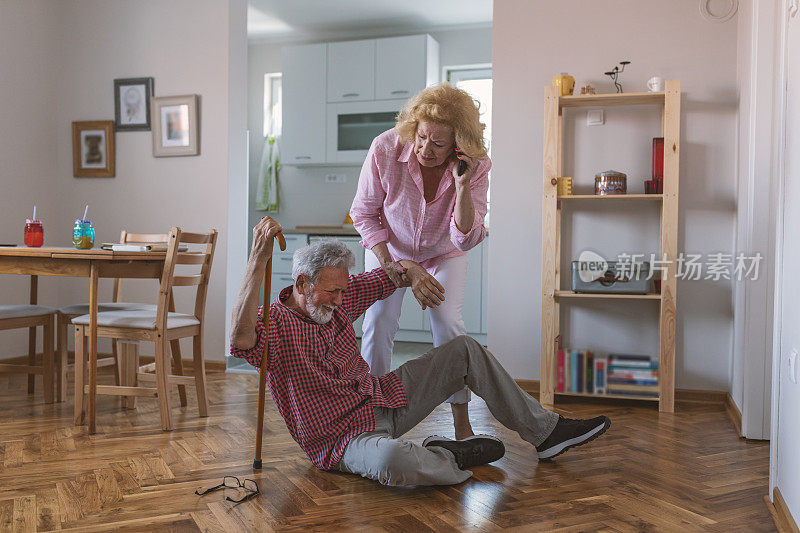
(462, 165)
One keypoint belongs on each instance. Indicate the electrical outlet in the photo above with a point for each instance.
(335, 178)
(594, 117)
(794, 367)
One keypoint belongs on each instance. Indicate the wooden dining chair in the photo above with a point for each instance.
(67, 313)
(32, 316)
(160, 326)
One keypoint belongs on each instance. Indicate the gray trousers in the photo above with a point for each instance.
(428, 381)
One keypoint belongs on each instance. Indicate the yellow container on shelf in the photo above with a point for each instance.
(564, 187)
(565, 84)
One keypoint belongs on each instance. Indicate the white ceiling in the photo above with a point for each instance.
(283, 20)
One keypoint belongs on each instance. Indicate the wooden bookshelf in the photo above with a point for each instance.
(669, 103)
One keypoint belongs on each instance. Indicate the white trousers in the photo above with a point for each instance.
(382, 320)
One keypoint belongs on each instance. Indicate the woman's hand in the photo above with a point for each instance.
(462, 181)
(263, 239)
(393, 268)
(427, 291)
(396, 273)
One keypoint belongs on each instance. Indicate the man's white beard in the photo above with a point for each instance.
(319, 314)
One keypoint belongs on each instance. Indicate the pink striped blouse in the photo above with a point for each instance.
(390, 205)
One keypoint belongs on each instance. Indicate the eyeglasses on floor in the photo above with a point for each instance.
(232, 482)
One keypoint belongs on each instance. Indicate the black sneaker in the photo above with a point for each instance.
(472, 451)
(569, 433)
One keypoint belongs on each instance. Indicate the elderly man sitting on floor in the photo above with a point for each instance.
(346, 419)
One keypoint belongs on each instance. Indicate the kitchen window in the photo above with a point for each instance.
(477, 81)
(272, 104)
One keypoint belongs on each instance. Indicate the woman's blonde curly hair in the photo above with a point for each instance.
(445, 104)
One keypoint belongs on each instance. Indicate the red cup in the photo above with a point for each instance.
(34, 233)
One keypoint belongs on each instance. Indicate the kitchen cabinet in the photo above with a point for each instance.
(485, 287)
(471, 311)
(304, 106)
(405, 65)
(351, 71)
(338, 96)
(412, 317)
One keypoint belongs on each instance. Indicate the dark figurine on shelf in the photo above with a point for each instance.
(614, 74)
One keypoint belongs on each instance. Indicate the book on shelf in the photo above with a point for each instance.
(629, 357)
(612, 367)
(632, 374)
(589, 381)
(573, 371)
(632, 361)
(560, 371)
(587, 372)
(653, 394)
(613, 388)
(644, 382)
(599, 375)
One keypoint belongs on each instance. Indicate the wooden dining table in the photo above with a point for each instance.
(93, 264)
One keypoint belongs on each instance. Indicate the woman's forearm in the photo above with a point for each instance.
(464, 211)
(245, 308)
(381, 251)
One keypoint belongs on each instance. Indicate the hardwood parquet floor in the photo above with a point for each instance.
(650, 472)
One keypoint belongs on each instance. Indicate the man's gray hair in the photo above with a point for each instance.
(310, 260)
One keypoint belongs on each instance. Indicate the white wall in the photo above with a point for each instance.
(532, 43)
(306, 199)
(784, 459)
(28, 88)
(184, 45)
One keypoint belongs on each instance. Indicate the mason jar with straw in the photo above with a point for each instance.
(83, 232)
(34, 232)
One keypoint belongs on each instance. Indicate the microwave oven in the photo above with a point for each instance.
(353, 125)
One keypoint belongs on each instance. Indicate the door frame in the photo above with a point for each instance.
(758, 220)
(780, 179)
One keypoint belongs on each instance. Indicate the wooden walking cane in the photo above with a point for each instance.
(262, 373)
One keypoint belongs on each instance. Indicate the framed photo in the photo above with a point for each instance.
(132, 103)
(93, 149)
(175, 127)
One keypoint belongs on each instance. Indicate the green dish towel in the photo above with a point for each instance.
(267, 187)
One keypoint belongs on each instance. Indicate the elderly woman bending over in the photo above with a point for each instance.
(412, 203)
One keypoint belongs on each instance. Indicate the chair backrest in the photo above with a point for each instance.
(129, 238)
(201, 257)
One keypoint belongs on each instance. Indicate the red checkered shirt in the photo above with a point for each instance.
(318, 379)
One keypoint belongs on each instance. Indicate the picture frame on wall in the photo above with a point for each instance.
(93, 153)
(175, 125)
(132, 103)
